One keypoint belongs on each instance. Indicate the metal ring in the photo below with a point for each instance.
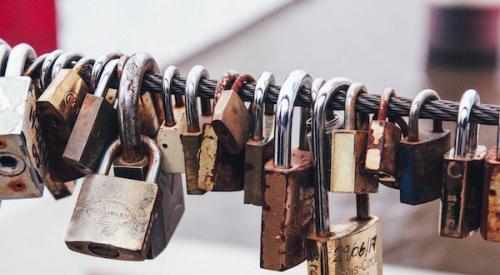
(106, 76)
(129, 92)
(84, 61)
(416, 106)
(34, 69)
(284, 114)
(64, 61)
(168, 77)
(48, 64)
(224, 83)
(385, 100)
(350, 104)
(21, 56)
(194, 76)
(99, 66)
(466, 133)
(4, 56)
(258, 104)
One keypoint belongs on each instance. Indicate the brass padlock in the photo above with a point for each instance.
(349, 149)
(169, 135)
(463, 173)
(95, 127)
(114, 217)
(192, 134)
(420, 156)
(288, 205)
(490, 220)
(383, 141)
(219, 169)
(260, 146)
(22, 152)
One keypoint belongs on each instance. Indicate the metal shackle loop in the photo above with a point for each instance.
(194, 76)
(416, 105)
(48, 64)
(225, 82)
(466, 132)
(82, 62)
(258, 105)
(153, 152)
(350, 105)
(383, 107)
(318, 127)
(64, 61)
(284, 115)
(168, 78)
(108, 74)
(99, 66)
(4, 56)
(35, 68)
(129, 93)
(20, 58)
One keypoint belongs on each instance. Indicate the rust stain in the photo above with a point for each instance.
(17, 186)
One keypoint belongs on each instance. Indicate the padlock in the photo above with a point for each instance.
(463, 173)
(169, 135)
(288, 205)
(382, 145)
(192, 135)
(420, 156)
(219, 170)
(22, 153)
(490, 218)
(114, 217)
(48, 64)
(260, 146)
(95, 127)
(349, 149)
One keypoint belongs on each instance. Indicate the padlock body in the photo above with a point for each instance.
(113, 218)
(462, 192)
(172, 205)
(257, 153)
(287, 212)
(95, 128)
(354, 247)
(170, 143)
(231, 122)
(191, 143)
(218, 169)
(22, 150)
(420, 167)
(348, 153)
(59, 189)
(490, 214)
(381, 151)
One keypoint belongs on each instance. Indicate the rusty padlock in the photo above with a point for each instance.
(349, 149)
(288, 206)
(463, 173)
(420, 156)
(260, 146)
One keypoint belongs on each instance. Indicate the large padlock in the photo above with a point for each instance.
(22, 152)
(169, 135)
(220, 170)
(192, 135)
(114, 217)
(420, 156)
(490, 218)
(260, 146)
(349, 149)
(95, 127)
(463, 173)
(288, 205)
(383, 141)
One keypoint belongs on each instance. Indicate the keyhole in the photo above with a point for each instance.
(8, 161)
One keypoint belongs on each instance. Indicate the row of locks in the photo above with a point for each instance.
(57, 126)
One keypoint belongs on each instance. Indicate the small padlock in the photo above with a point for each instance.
(420, 156)
(382, 145)
(169, 135)
(349, 149)
(288, 205)
(490, 218)
(23, 164)
(219, 169)
(192, 135)
(463, 175)
(95, 127)
(260, 146)
(114, 217)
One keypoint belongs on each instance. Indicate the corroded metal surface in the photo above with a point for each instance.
(490, 215)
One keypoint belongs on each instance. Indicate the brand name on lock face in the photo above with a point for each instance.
(109, 212)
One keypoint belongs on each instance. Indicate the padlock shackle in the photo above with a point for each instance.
(225, 82)
(168, 77)
(383, 107)
(107, 75)
(466, 132)
(284, 115)
(318, 128)
(259, 107)
(84, 61)
(362, 206)
(194, 76)
(416, 105)
(20, 58)
(129, 93)
(48, 64)
(4, 56)
(350, 106)
(153, 152)
(63, 62)
(99, 66)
